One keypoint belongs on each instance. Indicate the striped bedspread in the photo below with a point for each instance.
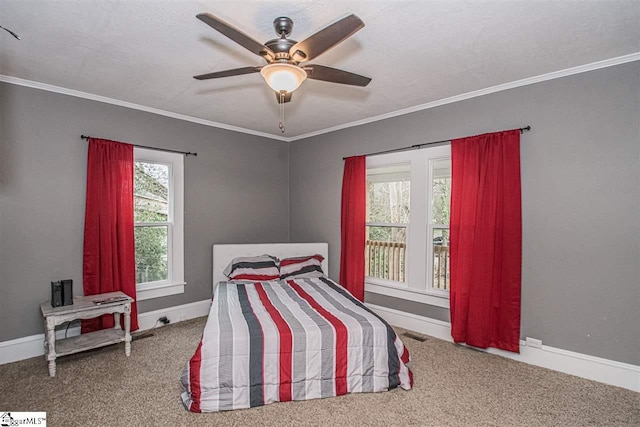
(290, 340)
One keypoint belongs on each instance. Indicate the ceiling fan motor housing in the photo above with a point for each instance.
(281, 47)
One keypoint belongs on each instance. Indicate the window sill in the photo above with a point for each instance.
(408, 294)
(158, 291)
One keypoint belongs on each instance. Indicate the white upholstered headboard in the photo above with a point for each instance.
(223, 254)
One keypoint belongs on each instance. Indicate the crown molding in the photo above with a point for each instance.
(474, 94)
(118, 102)
(493, 89)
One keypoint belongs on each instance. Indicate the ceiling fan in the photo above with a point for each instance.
(283, 72)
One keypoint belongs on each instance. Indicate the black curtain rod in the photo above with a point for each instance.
(424, 144)
(186, 153)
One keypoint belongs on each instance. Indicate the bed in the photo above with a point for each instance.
(293, 339)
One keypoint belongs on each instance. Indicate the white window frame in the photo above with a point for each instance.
(175, 226)
(419, 253)
(431, 226)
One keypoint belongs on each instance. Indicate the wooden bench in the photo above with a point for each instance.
(86, 308)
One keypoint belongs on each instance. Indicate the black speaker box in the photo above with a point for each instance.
(56, 294)
(67, 292)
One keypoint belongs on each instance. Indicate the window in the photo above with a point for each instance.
(388, 203)
(407, 239)
(158, 220)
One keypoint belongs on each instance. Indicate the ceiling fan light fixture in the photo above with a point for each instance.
(283, 77)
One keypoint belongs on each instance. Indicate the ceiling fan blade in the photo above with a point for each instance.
(333, 75)
(325, 39)
(236, 35)
(228, 73)
(287, 97)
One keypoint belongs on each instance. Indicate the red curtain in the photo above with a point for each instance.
(354, 201)
(109, 247)
(486, 240)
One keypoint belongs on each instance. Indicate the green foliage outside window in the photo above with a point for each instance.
(151, 205)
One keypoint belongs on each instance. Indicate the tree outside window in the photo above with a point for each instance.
(152, 221)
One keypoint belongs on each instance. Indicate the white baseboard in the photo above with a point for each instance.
(33, 346)
(581, 365)
(176, 314)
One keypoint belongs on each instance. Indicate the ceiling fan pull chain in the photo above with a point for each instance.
(281, 126)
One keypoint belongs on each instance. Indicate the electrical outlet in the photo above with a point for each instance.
(164, 320)
(533, 342)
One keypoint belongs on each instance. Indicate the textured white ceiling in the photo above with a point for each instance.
(146, 52)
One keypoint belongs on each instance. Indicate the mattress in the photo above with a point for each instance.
(285, 340)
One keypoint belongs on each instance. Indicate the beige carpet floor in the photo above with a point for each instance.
(454, 386)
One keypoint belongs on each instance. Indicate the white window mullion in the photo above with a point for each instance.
(170, 259)
(151, 224)
(415, 241)
(386, 224)
(431, 235)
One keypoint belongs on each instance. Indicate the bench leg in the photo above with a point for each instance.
(127, 329)
(51, 346)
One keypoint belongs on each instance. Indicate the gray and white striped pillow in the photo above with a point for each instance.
(257, 268)
(298, 267)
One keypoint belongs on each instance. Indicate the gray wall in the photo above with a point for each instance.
(236, 191)
(580, 197)
(580, 183)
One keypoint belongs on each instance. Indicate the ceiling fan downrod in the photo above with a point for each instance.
(281, 125)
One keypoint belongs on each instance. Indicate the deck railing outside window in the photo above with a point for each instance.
(441, 267)
(387, 260)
